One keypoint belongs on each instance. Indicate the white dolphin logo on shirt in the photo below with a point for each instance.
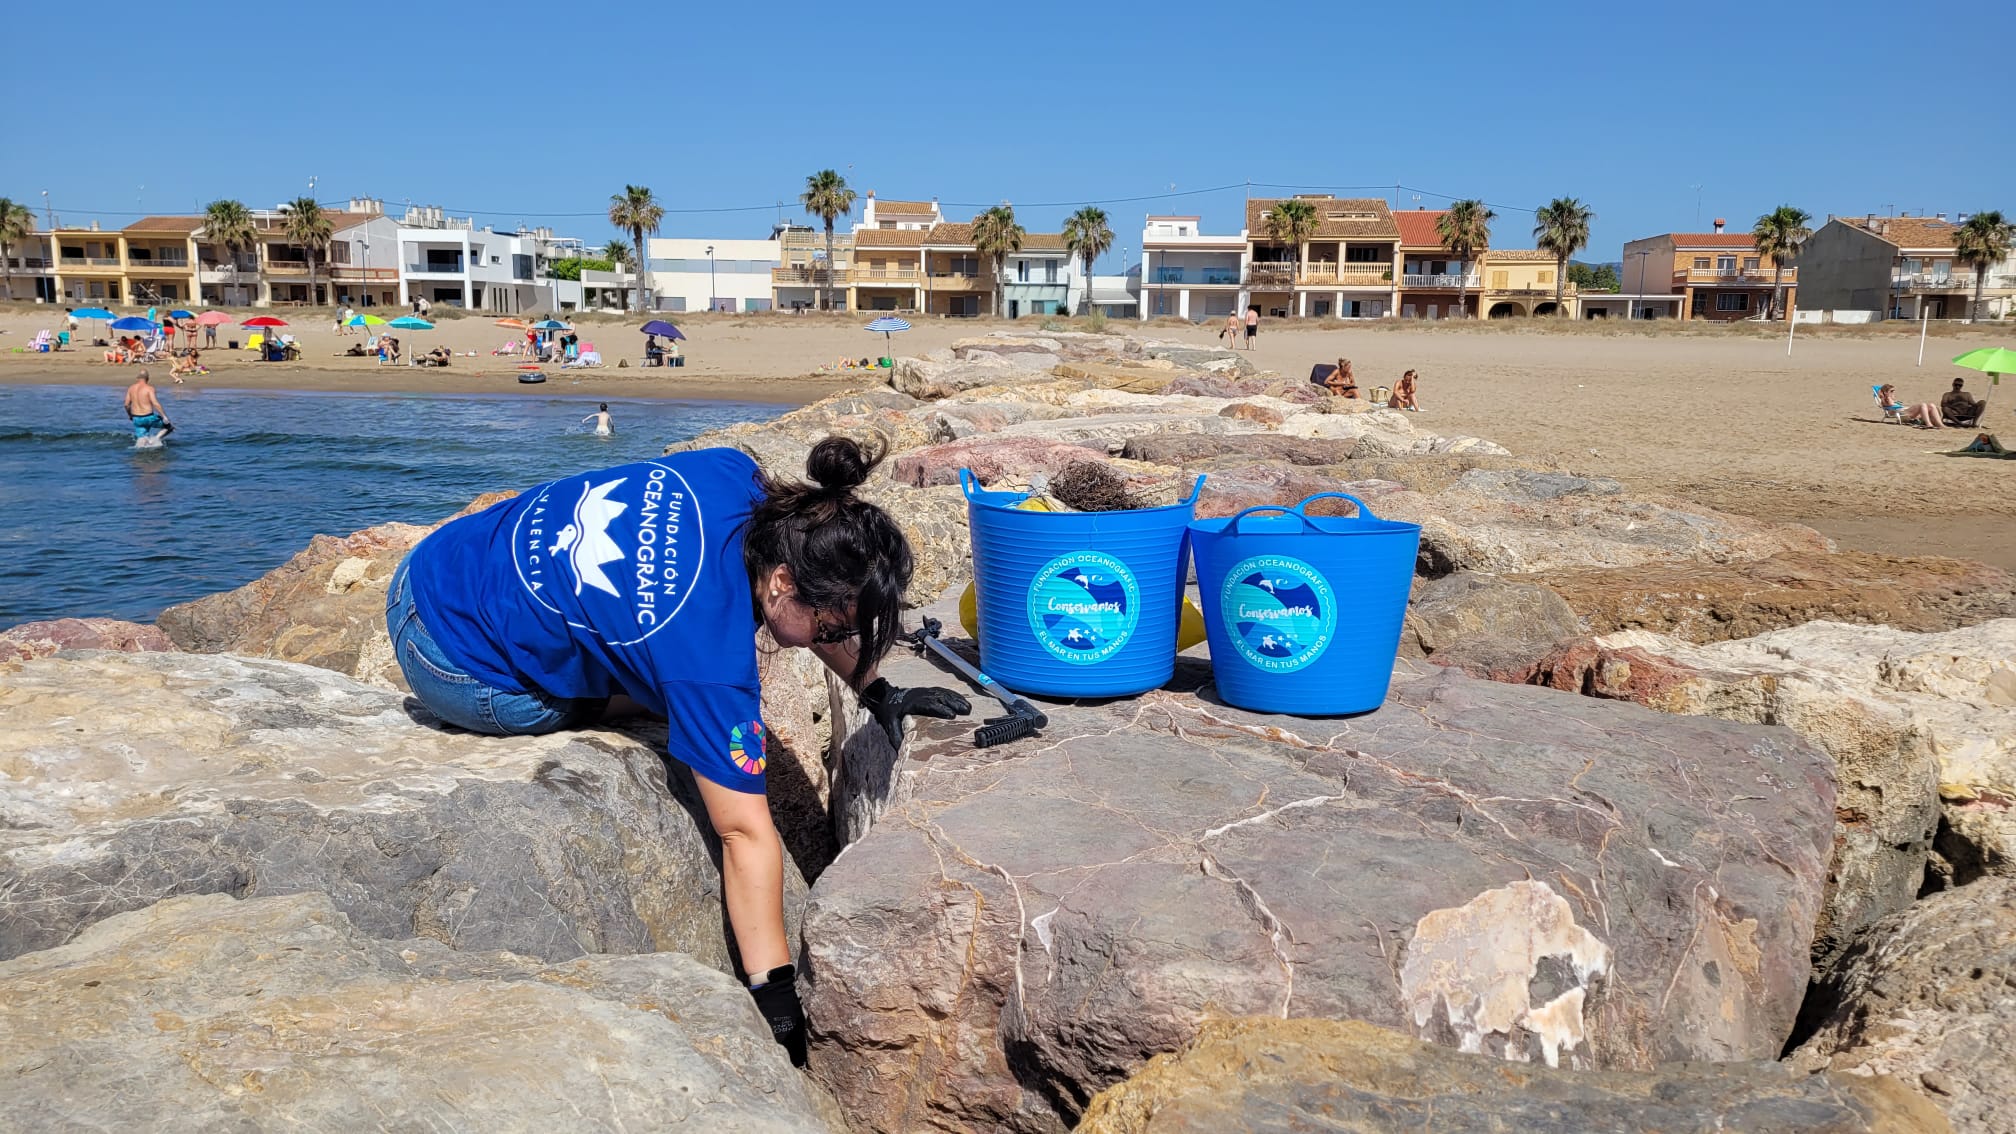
(587, 541)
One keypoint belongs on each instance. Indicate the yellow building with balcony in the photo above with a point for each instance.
(1522, 281)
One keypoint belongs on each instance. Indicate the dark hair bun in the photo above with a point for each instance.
(838, 464)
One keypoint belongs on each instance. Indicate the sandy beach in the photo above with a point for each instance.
(1716, 414)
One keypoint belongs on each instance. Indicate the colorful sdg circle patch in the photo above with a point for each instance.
(1084, 606)
(746, 747)
(1279, 612)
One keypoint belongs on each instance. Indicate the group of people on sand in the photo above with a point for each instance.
(1958, 408)
(1249, 322)
(1342, 384)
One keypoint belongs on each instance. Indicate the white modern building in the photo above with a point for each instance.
(1116, 297)
(1041, 278)
(1188, 274)
(699, 274)
(364, 256)
(448, 260)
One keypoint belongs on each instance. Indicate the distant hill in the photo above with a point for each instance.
(1614, 265)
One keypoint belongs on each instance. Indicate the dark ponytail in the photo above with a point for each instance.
(842, 551)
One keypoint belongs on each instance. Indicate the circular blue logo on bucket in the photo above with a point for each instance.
(1279, 612)
(1084, 606)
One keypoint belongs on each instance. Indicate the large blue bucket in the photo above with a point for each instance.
(1077, 604)
(1303, 612)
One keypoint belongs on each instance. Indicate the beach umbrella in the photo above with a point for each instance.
(889, 325)
(363, 321)
(213, 319)
(134, 323)
(549, 325)
(661, 327)
(264, 321)
(178, 313)
(1992, 361)
(515, 324)
(93, 313)
(409, 323)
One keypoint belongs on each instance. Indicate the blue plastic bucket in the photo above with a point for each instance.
(1303, 612)
(1077, 604)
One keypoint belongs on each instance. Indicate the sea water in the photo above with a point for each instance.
(90, 525)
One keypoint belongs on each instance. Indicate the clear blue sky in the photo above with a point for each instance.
(534, 112)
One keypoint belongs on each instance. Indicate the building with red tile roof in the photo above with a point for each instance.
(1719, 275)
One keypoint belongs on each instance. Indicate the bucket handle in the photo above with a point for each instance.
(1296, 511)
(1364, 513)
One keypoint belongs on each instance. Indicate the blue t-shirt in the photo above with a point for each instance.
(626, 580)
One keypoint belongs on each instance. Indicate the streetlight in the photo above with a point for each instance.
(1631, 304)
(713, 300)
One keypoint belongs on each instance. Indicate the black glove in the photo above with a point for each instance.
(777, 1000)
(890, 705)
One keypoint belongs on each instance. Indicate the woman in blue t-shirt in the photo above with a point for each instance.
(650, 580)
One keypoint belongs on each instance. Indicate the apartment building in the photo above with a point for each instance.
(805, 277)
(713, 274)
(1187, 273)
(449, 260)
(1882, 267)
(30, 270)
(1431, 278)
(1343, 270)
(1718, 275)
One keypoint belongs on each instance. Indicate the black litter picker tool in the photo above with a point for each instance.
(1022, 718)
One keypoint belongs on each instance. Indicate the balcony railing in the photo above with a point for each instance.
(814, 276)
(1210, 277)
(28, 264)
(961, 281)
(90, 261)
(157, 262)
(1733, 276)
(886, 276)
(1319, 273)
(348, 272)
(1438, 279)
(286, 265)
(1932, 281)
(435, 267)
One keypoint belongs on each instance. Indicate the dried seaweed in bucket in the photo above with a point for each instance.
(1089, 486)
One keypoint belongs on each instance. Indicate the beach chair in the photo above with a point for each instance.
(1980, 412)
(1892, 414)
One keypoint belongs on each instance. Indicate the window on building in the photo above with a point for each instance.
(1498, 280)
(1547, 278)
(1750, 263)
(965, 266)
(1022, 271)
(1701, 263)
(1050, 271)
(1725, 263)
(1733, 301)
(1367, 254)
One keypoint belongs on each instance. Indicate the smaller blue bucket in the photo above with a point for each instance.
(1303, 612)
(1077, 604)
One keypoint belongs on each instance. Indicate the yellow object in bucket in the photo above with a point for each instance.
(1189, 628)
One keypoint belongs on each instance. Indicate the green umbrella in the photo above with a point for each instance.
(1992, 361)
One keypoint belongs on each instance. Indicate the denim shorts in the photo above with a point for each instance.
(465, 701)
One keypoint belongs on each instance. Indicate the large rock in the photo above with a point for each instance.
(1929, 995)
(203, 1014)
(1171, 448)
(920, 378)
(325, 607)
(40, 639)
(129, 778)
(1750, 594)
(1507, 870)
(1000, 458)
(1256, 1074)
(1487, 626)
(1910, 719)
(933, 520)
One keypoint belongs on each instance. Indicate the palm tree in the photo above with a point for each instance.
(307, 225)
(996, 235)
(1982, 243)
(16, 222)
(1466, 234)
(827, 197)
(1292, 222)
(1779, 234)
(1561, 226)
(1087, 235)
(617, 252)
(228, 225)
(637, 212)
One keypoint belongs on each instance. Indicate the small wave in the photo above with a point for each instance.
(48, 435)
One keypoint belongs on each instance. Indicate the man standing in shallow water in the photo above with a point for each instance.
(145, 409)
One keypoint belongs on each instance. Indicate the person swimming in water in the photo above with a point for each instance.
(144, 409)
(603, 426)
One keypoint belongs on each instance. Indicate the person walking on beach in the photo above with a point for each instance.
(604, 427)
(1252, 324)
(1231, 331)
(651, 580)
(143, 408)
(209, 335)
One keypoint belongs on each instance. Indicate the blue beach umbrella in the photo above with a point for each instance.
(134, 323)
(661, 327)
(888, 325)
(549, 325)
(409, 323)
(180, 314)
(93, 313)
